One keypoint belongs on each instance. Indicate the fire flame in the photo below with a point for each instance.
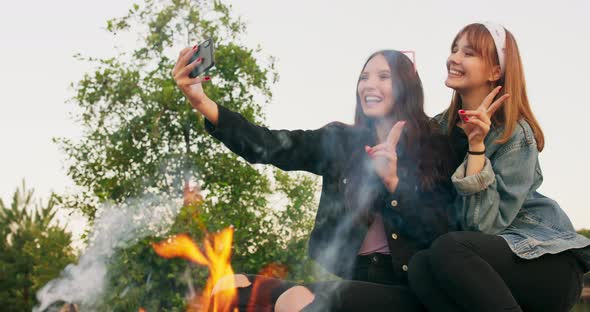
(216, 257)
(261, 288)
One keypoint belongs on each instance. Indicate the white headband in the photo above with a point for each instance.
(499, 35)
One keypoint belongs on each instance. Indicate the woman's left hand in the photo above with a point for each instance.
(384, 157)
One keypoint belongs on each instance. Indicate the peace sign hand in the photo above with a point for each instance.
(384, 157)
(476, 123)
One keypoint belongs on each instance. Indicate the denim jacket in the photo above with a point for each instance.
(503, 200)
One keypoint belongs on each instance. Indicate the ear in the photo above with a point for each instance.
(495, 74)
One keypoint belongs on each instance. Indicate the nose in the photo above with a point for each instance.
(365, 88)
(454, 59)
(366, 85)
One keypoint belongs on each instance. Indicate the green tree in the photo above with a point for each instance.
(141, 136)
(584, 232)
(33, 249)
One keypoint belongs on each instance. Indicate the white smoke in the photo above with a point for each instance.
(331, 257)
(116, 226)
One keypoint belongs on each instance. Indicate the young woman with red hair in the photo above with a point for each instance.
(518, 251)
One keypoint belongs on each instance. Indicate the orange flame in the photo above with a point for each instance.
(261, 287)
(216, 257)
(180, 246)
(274, 270)
(141, 310)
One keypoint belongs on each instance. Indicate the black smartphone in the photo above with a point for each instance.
(205, 51)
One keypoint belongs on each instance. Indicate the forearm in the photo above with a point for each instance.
(208, 108)
(491, 198)
(306, 150)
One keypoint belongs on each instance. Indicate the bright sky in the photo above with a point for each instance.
(320, 47)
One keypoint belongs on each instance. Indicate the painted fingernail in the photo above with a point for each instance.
(466, 119)
(195, 47)
(461, 111)
(207, 78)
(199, 59)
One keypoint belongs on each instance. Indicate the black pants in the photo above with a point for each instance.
(470, 271)
(374, 288)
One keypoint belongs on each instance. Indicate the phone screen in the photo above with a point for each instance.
(205, 51)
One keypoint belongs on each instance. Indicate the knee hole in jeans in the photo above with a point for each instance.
(294, 299)
(231, 281)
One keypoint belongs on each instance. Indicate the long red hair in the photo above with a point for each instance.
(512, 82)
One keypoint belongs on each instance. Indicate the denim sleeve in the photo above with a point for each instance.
(490, 200)
(306, 150)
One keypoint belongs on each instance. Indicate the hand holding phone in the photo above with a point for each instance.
(191, 87)
(206, 52)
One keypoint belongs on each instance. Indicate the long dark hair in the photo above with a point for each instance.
(409, 106)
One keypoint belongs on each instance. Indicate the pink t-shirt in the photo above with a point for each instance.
(375, 240)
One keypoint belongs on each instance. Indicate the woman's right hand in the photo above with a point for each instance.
(191, 87)
(384, 157)
(476, 123)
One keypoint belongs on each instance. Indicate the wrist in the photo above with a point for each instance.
(477, 147)
(197, 102)
(391, 184)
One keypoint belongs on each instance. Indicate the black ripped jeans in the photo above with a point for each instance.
(471, 271)
(376, 287)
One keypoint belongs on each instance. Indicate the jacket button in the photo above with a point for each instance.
(405, 268)
(394, 203)
(394, 236)
(344, 181)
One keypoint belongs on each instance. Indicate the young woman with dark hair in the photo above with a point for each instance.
(386, 191)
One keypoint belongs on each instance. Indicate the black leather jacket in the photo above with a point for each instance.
(351, 191)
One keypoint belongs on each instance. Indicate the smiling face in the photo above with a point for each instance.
(375, 88)
(467, 69)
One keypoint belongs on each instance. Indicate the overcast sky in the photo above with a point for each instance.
(320, 47)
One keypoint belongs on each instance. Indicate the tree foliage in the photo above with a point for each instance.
(584, 232)
(33, 249)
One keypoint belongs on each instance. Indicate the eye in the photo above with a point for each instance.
(384, 77)
(469, 52)
(363, 78)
